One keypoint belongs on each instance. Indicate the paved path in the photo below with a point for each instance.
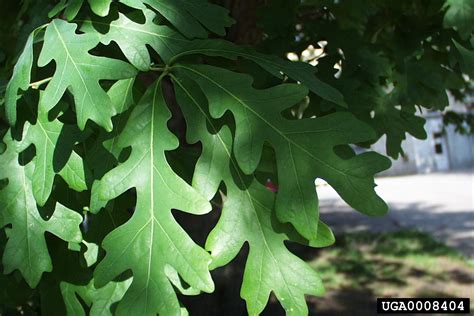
(441, 204)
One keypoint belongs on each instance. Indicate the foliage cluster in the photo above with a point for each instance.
(118, 114)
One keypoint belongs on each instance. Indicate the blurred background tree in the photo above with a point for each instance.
(388, 58)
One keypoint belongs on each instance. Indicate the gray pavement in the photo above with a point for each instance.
(441, 204)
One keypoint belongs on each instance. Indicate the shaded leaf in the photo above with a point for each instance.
(191, 18)
(299, 71)
(133, 38)
(395, 123)
(20, 79)
(422, 83)
(53, 155)
(104, 154)
(466, 58)
(460, 15)
(377, 108)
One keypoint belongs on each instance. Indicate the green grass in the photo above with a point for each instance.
(363, 266)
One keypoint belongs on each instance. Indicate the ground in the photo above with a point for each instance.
(441, 204)
(402, 254)
(363, 266)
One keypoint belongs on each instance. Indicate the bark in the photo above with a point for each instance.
(245, 13)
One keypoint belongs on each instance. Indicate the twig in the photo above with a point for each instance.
(37, 84)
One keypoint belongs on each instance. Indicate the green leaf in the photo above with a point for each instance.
(191, 18)
(212, 166)
(304, 148)
(173, 276)
(377, 108)
(26, 249)
(53, 141)
(20, 79)
(100, 7)
(80, 71)
(100, 300)
(152, 239)
(466, 58)
(104, 154)
(394, 123)
(121, 95)
(460, 15)
(133, 38)
(71, 8)
(247, 216)
(299, 71)
(91, 254)
(422, 83)
(216, 151)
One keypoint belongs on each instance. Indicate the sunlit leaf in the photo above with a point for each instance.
(80, 71)
(152, 239)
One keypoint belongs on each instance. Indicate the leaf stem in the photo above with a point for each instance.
(163, 68)
(42, 26)
(37, 84)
